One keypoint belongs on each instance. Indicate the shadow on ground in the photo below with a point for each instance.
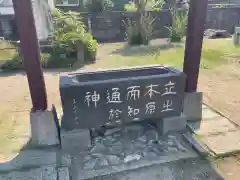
(50, 71)
(144, 50)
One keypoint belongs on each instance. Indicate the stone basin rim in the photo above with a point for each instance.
(119, 75)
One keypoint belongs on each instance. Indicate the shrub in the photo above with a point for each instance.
(134, 35)
(147, 5)
(68, 27)
(7, 50)
(90, 48)
(98, 5)
(47, 61)
(16, 63)
(130, 7)
(177, 30)
(70, 30)
(141, 31)
(51, 61)
(45, 57)
(148, 24)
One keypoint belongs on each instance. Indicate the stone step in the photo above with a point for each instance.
(223, 144)
(185, 169)
(219, 145)
(41, 173)
(212, 126)
(31, 158)
(77, 173)
(91, 165)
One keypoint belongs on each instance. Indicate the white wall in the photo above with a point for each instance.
(51, 4)
(5, 2)
(43, 20)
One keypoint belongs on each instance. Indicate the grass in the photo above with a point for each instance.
(7, 51)
(214, 53)
(14, 132)
(7, 54)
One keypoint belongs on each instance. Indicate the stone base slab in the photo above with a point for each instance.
(220, 145)
(124, 151)
(43, 129)
(196, 169)
(215, 133)
(157, 172)
(79, 174)
(172, 124)
(41, 173)
(209, 127)
(77, 140)
(184, 169)
(63, 173)
(31, 158)
(200, 148)
(223, 144)
(192, 106)
(63, 160)
(31, 163)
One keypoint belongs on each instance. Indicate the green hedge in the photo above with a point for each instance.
(69, 30)
(90, 48)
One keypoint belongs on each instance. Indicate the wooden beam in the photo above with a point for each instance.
(31, 53)
(194, 39)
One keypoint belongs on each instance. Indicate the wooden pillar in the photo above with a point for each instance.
(193, 47)
(31, 53)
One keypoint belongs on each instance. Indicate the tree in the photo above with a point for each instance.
(144, 5)
(98, 5)
(66, 25)
(142, 29)
(70, 34)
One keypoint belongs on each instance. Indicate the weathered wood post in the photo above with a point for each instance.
(31, 53)
(193, 48)
(195, 30)
(44, 129)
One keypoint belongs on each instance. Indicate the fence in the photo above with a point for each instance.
(223, 18)
(223, 1)
(109, 26)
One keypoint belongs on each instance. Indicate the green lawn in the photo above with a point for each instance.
(7, 51)
(214, 53)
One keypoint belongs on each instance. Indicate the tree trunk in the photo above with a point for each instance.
(140, 10)
(80, 52)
